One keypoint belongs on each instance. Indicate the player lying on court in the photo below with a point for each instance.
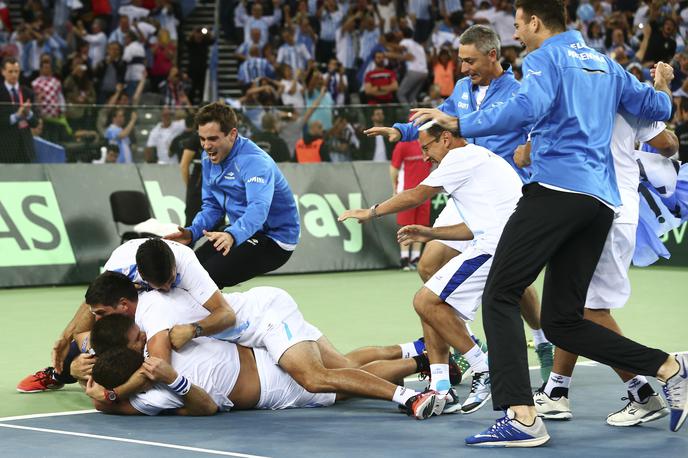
(485, 190)
(267, 319)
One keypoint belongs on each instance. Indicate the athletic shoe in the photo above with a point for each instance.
(452, 404)
(509, 432)
(479, 394)
(676, 393)
(637, 412)
(43, 380)
(454, 370)
(462, 362)
(405, 264)
(545, 354)
(414, 263)
(551, 408)
(425, 404)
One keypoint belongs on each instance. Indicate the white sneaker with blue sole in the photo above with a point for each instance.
(676, 393)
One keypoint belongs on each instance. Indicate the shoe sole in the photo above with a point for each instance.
(536, 442)
(681, 419)
(426, 409)
(42, 390)
(455, 408)
(562, 416)
(476, 406)
(656, 415)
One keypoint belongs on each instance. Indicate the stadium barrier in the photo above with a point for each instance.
(56, 225)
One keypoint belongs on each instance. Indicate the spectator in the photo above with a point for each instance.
(380, 84)
(175, 88)
(408, 170)
(254, 40)
(293, 54)
(160, 138)
(111, 154)
(595, 38)
(290, 88)
(133, 11)
(419, 13)
(258, 21)
(269, 140)
(48, 93)
(306, 36)
(444, 69)
(110, 72)
(135, 57)
(254, 67)
(416, 68)
(377, 148)
(617, 39)
(28, 53)
(164, 53)
(337, 82)
(636, 70)
(318, 100)
(168, 18)
(434, 97)
(659, 42)
(191, 152)
(118, 134)
(197, 46)
(79, 92)
(329, 16)
(387, 12)
(342, 142)
(97, 41)
(682, 128)
(16, 116)
(346, 54)
(501, 18)
(370, 36)
(121, 31)
(309, 149)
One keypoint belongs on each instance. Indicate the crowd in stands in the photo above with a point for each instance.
(87, 63)
(312, 71)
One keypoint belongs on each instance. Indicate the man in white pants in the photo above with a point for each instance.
(610, 287)
(485, 189)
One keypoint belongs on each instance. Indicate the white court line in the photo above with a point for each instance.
(132, 441)
(46, 415)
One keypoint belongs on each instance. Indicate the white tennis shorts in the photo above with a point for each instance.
(610, 287)
(460, 283)
(279, 391)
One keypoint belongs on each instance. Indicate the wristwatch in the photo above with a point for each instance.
(110, 395)
(198, 330)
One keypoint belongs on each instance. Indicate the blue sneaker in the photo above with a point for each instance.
(676, 393)
(509, 432)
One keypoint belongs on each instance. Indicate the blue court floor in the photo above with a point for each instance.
(357, 428)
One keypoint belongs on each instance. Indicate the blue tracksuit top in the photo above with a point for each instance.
(462, 101)
(570, 95)
(249, 187)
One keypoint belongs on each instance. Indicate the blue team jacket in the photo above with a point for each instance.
(462, 101)
(570, 95)
(250, 188)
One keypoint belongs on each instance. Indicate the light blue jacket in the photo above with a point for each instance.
(250, 188)
(570, 95)
(462, 101)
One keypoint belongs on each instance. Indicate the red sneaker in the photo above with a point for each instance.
(40, 381)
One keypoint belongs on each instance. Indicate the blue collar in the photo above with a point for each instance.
(570, 36)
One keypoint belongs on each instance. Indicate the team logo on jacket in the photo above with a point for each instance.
(230, 176)
(260, 180)
(464, 96)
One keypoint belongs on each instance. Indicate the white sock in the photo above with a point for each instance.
(408, 350)
(477, 359)
(439, 378)
(403, 394)
(468, 328)
(538, 337)
(634, 384)
(556, 381)
(415, 254)
(403, 252)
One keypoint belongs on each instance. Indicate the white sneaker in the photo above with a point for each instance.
(479, 394)
(552, 409)
(452, 404)
(636, 412)
(676, 393)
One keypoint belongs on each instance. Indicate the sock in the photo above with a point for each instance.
(639, 389)
(410, 349)
(403, 394)
(439, 378)
(538, 337)
(415, 255)
(557, 385)
(470, 333)
(422, 363)
(477, 359)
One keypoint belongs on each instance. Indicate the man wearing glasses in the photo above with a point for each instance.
(484, 189)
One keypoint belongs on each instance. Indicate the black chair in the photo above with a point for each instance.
(130, 208)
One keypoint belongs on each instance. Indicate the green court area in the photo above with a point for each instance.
(353, 309)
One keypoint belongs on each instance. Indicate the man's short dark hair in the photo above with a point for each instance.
(552, 13)
(108, 288)
(436, 130)
(219, 113)
(110, 332)
(114, 367)
(9, 60)
(155, 261)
